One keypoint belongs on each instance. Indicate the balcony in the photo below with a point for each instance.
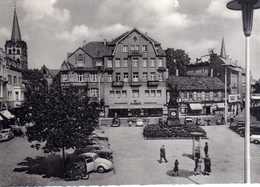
(134, 53)
(135, 82)
(117, 83)
(152, 83)
(161, 69)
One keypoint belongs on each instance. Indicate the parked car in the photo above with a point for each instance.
(102, 151)
(188, 121)
(76, 169)
(6, 134)
(255, 138)
(95, 163)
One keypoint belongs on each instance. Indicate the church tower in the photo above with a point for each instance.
(223, 53)
(16, 48)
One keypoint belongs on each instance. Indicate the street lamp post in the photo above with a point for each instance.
(247, 7)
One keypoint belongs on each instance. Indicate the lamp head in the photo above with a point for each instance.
(247, 7)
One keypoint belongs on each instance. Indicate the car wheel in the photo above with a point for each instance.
(100, 169)
(256, 142)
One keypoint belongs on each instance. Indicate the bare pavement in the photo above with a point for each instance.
(136, 160)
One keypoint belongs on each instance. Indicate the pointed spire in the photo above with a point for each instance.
(16, 34)
(223, 53)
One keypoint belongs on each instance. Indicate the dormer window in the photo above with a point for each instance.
(9, 51)
(80, 58)
(18, 52)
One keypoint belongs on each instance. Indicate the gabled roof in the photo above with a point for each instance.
(65, 66)
(97, 49)
(49, 72)
(189, 83)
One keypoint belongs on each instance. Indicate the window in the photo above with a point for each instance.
(145, 63)
(146, 93)
(190, 95)
(125, 49)
(194, 96)
(125, 77)
(152, 62)
(10, 79)
(207, 96)
(132, 48)
(17, 96)
(215, 95)
(145, 76)
(109, 77)
(9, 51)
(220, 95)
(158, 93)
(144, 48)
(81, 77)
(9, 95)
(124, 63)
(152, 93)
(80, 58)
(199, 96)
(211, 95)
(124, 93)
(135, 62)
(135, 93)
(18, 51)
(15, 80)
(64, 77)
(160, 63)
(202, 96)
(160, 76)
(93, 77)
(152, 76)
(117, 63)
(135, 76)
(118, 77)
(109, 63)
(112, 93)
(93, 92)
(86, 77)
(136, 47)
(118, 93)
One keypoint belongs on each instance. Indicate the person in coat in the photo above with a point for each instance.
(206, 149)
(176, 168)
(207, 165)
(163, 154)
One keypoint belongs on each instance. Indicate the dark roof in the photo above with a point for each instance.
(195, 83)
(97, 49)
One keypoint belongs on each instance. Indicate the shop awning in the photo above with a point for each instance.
(220, 105)
(195, 106)
(7, 114)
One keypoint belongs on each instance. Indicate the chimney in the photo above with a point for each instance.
(177, 72)
(211, 72)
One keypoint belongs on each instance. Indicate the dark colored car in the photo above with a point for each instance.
(76, 169)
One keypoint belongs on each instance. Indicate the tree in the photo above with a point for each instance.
(177, 59)
(61, 119)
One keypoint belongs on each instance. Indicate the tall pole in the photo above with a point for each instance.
(226, 105)
(99, 93)
(247, 123)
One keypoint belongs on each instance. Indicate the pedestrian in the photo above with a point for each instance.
(207, 165)
(196, 164)
(163, 154)
(206, 149)
(176, 168)
(197, 169)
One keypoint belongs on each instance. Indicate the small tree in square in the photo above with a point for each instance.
(61, 119)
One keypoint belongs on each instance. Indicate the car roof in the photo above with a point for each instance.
(88, 154)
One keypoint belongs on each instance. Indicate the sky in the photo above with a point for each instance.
(52, 28)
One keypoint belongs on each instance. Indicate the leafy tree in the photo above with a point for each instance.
(61, 119)
(177, 59)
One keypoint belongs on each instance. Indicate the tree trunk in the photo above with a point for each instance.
(63, 159)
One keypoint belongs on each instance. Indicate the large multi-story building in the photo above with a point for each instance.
(128, 73)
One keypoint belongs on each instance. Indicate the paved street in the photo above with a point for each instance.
(136, 160)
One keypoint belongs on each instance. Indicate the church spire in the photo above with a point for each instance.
(16, 34)
(223, 53)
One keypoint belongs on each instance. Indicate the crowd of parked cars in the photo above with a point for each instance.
(239, 128)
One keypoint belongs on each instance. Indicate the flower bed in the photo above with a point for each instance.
(171, 131)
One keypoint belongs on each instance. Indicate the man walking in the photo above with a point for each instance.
(163, 154)
(206, 149)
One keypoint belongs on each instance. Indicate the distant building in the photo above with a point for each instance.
(198, 95)
(49, 75)
(128, 73)
(215, 67)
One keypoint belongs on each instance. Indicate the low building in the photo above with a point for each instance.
(197, 95)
